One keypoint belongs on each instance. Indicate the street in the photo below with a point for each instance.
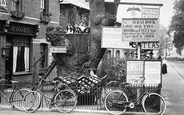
(172, 91)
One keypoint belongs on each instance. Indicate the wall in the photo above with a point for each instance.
(31, 8)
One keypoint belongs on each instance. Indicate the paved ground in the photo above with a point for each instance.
(172, 90)
(173, 85)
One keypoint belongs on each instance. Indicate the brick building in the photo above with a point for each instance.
(23, 26)
(72, 11)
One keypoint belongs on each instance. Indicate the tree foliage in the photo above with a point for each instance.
(177, 25)
(165, 40)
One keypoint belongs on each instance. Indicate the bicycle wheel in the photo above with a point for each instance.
(115, 102)
(65, 101)
(112, 84)
(18, 98)
(32, 101)
(3, 100)
(154, 103)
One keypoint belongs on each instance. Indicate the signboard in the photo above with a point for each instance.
(134, 71)
(58, 49)
(20, 28)
(140, 29)
(150, 12)
(150, 45)
(151, 70)
(112, 38)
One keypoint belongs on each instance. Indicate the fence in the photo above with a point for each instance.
(91, 99)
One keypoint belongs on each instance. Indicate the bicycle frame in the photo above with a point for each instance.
(44, 96)
(10, 99)
(136, 100)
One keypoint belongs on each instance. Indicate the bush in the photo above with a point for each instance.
(114, 68)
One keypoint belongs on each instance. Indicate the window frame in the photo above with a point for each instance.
(3, 5)
(44, 5)
(16, 5)
(17, 43)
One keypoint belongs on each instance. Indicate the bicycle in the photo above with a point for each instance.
(118, 101)
(16, 96)
(63, 98)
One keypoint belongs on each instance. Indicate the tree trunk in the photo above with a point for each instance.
(75, 63)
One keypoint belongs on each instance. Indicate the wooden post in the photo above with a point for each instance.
(138, 58)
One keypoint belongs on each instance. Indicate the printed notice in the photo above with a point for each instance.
(152, 72)
(134, 71)
(140, 29)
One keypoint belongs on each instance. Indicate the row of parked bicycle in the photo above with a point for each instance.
(65, 99)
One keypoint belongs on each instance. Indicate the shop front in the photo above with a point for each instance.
(19, 53)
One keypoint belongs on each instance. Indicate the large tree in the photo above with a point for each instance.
(165, 41)
(177, 26)
(71, 63)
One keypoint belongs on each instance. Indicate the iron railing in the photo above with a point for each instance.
(93, 99)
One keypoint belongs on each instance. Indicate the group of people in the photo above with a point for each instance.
(79, 27)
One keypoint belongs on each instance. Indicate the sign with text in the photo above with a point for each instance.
(150, 45)
(151, 70)
(140, 29)
(21, 28)
(112, 38)
(58, 49)
(150, 12)
(134, 71)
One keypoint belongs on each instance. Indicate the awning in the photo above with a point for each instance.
(79, 3)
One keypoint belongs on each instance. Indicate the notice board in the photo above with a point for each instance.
(149, 69)
(140, 29)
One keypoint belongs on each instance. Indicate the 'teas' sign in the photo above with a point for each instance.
(150, 45)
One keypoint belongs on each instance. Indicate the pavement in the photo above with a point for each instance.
(172, 91)
(173, 85)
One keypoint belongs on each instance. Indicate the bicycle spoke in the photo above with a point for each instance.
(65, 101)
(115, 102)
(18, 98)
(154, 104)
(31, 101)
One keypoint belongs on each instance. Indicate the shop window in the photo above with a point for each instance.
(21, 54)
(16, 5)
(44, 54)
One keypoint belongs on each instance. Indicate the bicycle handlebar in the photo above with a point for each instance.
(12, 81)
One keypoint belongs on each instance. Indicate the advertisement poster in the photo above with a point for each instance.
(152, 72)
(134, 71)
(140, 30)
(150, 12)
(112, 38)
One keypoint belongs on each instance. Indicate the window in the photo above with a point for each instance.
(3, 3)
(44, 54)
(44, 5)
(109, 54)
(21, 54)
(117, 54)
(16, 5)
